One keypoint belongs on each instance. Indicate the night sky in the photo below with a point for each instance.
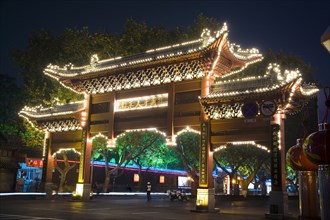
(293, 26)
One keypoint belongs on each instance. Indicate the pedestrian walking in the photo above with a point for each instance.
(148, 191)
(36, 184)
(20, 184)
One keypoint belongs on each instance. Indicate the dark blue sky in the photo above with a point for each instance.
(294, 26)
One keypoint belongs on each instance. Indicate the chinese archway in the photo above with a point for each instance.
(170, 88)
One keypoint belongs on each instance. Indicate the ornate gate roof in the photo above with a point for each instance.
(56, 118)
(285, 88)
(212, 55)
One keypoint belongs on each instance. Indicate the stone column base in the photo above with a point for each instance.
(278, 205)
(49, 190)
(205, 200)
(83, 192)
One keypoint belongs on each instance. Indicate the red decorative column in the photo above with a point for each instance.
(83, 187)
(278, 197)
(48, 165)
(205, 193)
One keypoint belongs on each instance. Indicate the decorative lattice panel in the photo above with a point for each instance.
(232, 110)
(144, 78)
(63, 125)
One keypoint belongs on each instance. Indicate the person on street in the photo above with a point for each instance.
(148, 191)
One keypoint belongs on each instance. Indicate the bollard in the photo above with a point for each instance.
(308, 207)
(324, 173)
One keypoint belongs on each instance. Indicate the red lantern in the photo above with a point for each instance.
(298, 160)
(316, 146)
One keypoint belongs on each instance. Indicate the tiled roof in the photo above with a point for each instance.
(56, 110)
(274, 80)
(151, 56)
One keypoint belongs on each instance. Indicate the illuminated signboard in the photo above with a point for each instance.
(203, 155)
(82, 156)
(30, 162)
(139, 103)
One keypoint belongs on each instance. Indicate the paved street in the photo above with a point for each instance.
(134, 207)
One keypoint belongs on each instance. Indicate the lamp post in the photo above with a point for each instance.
(324, 169)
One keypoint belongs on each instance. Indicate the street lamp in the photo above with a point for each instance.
(325, 39)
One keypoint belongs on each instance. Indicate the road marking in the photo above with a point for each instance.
(22, 217)
(143, 213)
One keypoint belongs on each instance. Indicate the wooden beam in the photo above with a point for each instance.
(141, 123)
(187, 121)
(187, 107)
(187, 86)
(248, 136)
(238, 123)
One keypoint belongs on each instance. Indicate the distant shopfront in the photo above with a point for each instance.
(29, 175)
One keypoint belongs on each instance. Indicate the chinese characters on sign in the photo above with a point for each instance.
(275, 159)
(45, 158)
(82, 156)
(30, 162)
(203, 155)
(143, 102)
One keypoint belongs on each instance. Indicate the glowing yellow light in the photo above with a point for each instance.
(65, 149)
(139, 103)
(111, 143)
(79, 189)
(136, 178)
(161, 179)
(142, 129)
(221, 147)
(202, 197)
(172, 142)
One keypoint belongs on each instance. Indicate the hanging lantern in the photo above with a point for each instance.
(317, 145)
(297, 160)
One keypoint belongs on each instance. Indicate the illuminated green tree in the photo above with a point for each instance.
(187, 146)
(157, 156)
(69, 159)
(241, 161)
(129, 146)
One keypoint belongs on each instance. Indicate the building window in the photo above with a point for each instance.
(161, 179)
(136, 178)
(100, 108)
(187, 97)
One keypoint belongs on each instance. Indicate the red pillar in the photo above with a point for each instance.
(205, 192)
(83, 187)
(48, 165)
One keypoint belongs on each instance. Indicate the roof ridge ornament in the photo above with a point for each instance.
(206, 36)
(94, 60)
(68, 66)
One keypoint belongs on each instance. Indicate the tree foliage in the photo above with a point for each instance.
(187, 146)
(12, 129)
(63, 168)
(130, 146)
(243, 161)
